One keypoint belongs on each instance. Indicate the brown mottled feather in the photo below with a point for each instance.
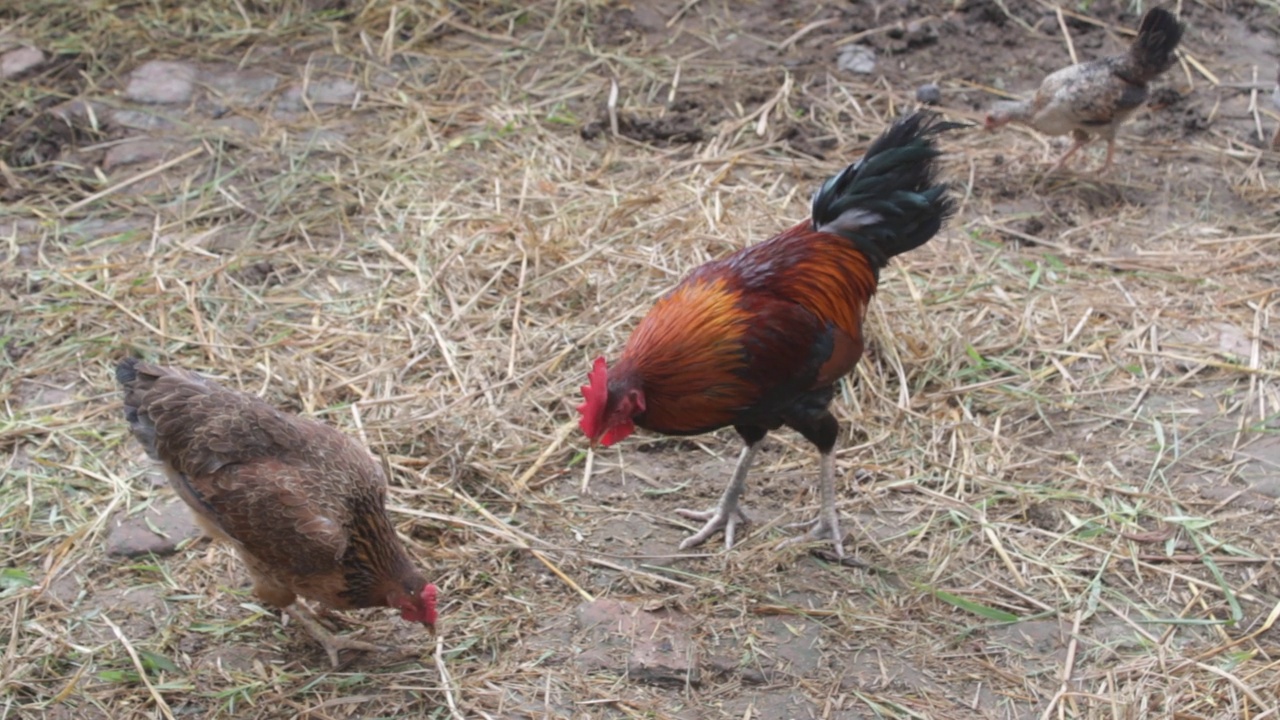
(303, 503)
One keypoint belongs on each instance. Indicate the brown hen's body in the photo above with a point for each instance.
(758, 339)
(1093, 99)
(303, 504)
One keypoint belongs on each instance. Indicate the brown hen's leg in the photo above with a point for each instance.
(330, 642)
(726, 515)
(826, 526)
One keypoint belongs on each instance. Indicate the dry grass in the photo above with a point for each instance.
(1067, 422)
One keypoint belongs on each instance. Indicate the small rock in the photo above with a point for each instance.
(330, 91)
(1269, 487)
(653, 647)
(16, 62)
(1234, 340)
(134, 535)
(855, 58)
(242, 128)
(138, 120)
(137, 151)
(219, 238)
(929, 94)
(67, 589)
(241, 88)
(318, 138)
(669, 660)
(82, 113)
(919, 32)
(608, 613)
(162, 82)
(1249, 499)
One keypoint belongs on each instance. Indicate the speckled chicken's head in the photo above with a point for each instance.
(1003, 113)
(608, 412)
(417, 606)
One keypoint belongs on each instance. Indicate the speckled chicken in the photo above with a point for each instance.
(303, 504)
(1093, 99)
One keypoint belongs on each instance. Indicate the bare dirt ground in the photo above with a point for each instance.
(419, 222)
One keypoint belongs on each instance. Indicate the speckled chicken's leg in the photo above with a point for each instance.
(827, 525)
(330, 642)
(1078, 140)
(726, 515)
(1111, 151)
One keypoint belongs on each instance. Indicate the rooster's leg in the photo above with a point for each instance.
(726, 515)
(330, 642)
(827, 525)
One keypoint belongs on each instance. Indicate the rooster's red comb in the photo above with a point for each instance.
(595, 396)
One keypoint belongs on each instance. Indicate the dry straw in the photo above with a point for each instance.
(1060, 453)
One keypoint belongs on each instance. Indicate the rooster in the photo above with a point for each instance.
(303, 504)
(759, 339)
(1095, 98)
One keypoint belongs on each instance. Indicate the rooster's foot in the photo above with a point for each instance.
(825, 527)
(718, 518)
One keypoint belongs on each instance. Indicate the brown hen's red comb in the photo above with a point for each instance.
(429, 593)
(595, 394)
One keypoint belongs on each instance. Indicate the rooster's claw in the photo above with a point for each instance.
(718, 518)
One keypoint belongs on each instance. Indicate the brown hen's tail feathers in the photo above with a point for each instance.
(1152, 51)
(138, 379)
(135, 385)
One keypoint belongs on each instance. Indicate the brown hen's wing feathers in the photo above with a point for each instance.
(278, 485)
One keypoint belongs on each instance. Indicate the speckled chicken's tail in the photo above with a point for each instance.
(1152, 51)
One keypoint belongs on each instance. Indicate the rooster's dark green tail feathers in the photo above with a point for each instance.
(889, 201)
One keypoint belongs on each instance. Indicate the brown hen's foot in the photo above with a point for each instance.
(718, 518)
(330, 642)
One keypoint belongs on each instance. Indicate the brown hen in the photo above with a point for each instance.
(303, 504)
